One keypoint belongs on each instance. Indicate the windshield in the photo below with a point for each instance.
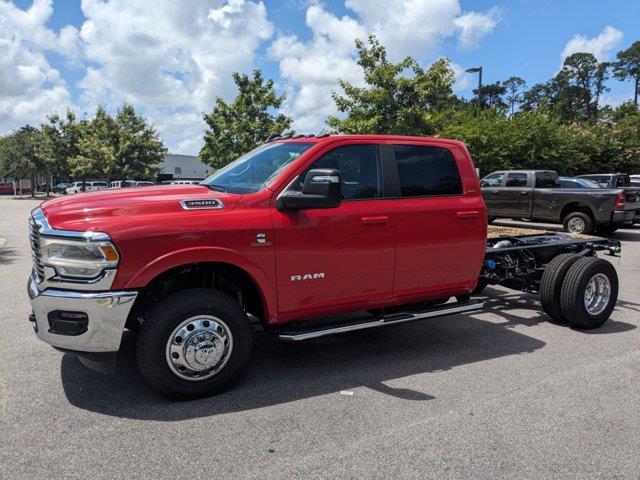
(254, 170)
(602, 180)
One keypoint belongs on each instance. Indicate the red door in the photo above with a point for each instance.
(440, 221)
(329, 260)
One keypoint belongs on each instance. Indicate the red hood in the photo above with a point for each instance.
(96, 210)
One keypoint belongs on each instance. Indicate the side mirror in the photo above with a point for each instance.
(321, 189)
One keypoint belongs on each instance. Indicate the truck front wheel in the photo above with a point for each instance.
(193, 343)
(578, 222)
(589, 292)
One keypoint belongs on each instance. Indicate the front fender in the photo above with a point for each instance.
(206, 254)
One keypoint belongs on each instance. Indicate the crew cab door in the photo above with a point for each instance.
(546, 203)
(440, 221)
(333, 259)
(491, 186)
(517, 195)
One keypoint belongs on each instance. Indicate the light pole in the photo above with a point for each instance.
(479, 71)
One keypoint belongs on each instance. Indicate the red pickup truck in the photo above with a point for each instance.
(286, 239)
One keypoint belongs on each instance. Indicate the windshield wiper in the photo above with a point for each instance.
(218, 188)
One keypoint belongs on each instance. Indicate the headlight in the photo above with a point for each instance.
(77, 258)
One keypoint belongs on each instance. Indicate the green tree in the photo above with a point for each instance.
(60, 136)
(539, 97)
(491, 96)
(397, 97)
(627, 67)
(137, 151)
(513, 92)
(581, 82)
(117, 148)
(93, 150)
(238, 127)
(20, 155)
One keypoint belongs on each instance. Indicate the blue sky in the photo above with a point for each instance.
(171, 59)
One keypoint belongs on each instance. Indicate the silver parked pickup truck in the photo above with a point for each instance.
(537, 195)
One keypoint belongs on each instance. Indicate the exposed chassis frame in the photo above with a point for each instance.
(517, 262)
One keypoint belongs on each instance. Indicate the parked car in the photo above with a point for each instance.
(130, 183)
(289, 236)
(574, 182)
(609, 180)
(61, 187)
(6, 188)
(76, 187)
(181, 182)
(537, 195)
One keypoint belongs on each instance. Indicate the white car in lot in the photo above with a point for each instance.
(76, 187)
(130, 183)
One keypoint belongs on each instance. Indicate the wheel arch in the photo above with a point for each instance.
(576, 207)
(227, 264)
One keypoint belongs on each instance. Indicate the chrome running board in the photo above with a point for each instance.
(383, 321)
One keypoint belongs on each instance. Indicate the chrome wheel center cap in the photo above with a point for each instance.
(199, 347)
(206, 353)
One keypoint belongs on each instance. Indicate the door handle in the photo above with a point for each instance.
(467, 214)
(524, 192)
(381, 220)
(495, 192)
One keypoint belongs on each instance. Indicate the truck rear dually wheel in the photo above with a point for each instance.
(193, 343)
(551, 285)
(589, 292)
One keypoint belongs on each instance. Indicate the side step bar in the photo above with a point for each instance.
(383, 321)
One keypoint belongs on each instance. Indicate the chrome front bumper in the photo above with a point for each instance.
(107, 313)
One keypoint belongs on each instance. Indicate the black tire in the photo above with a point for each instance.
(579, 218)
(551, 284)
(608, 228)
(572, 297)
(165, 317)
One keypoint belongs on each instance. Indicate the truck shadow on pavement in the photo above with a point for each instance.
(503, 302)
(281, 373)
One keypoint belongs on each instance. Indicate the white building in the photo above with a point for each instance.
(184, 167)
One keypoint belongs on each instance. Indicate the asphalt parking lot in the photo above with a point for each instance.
(497, 394)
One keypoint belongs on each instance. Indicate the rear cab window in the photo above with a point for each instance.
(427, 171)
(547, 180)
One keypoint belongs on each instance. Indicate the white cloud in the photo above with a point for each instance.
(169, 56)
(406, 27)
(600, 45)
(30, 87)
(170, 59)
(473, 26)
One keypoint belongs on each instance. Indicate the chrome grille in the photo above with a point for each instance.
(34, 242)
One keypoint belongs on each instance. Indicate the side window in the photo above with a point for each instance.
(359, 167)
(493, 180)
(516, 180)
(427, 171)
(546, 180)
